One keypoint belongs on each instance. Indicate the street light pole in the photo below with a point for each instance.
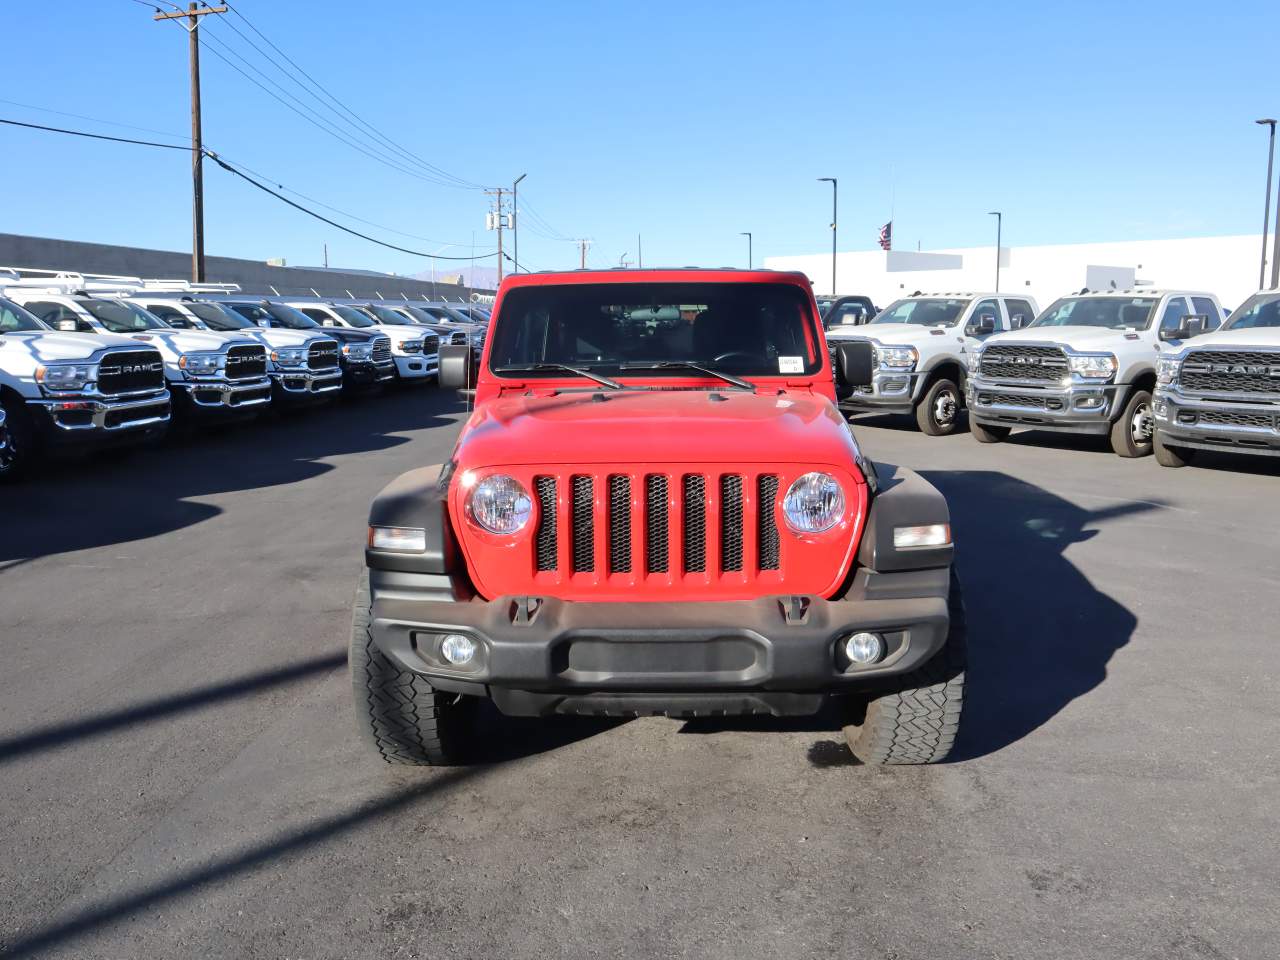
(1266, 207)
(515, 221)
(835, 209)
(999, 225)
(747, 234)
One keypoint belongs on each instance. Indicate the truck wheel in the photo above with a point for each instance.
(396, 710)
(1168, 456)
(16, 440)
(939, 411)
(1131, 433)
(916, 721)
(985, 434)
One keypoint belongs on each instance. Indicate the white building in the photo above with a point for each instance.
(1227, 266)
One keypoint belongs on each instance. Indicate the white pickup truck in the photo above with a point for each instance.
(416, 352)
(73, 390)
(1222, 391)
(1085, 365)
(921, 345)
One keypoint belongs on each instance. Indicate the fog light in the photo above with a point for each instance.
(864, 648)
(458, 649)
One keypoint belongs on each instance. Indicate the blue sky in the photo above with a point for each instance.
(685, 123)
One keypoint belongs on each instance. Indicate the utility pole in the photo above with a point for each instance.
(639, 252)
(1266, 204)
(747, 234)
(835, 211)
(582, 253)
(326, 256)
(495, 222)
(515, 220)
(999, 224)
(193, 15)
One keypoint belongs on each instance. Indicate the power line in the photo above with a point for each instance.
(109, 123)
(96, 136)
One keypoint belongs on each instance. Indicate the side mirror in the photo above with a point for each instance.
(855, 363)
(1192, 325)
(456, 372)
(1017, 321)
(984, 325)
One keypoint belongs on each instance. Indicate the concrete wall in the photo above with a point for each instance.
(254, 277)
(1226, 266)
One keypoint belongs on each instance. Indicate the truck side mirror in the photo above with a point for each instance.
(1017, 321)
(1192, 325)
(456, 372)
(855, 363)
(984, 325)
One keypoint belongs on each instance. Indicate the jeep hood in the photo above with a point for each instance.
(1086, 339)
(657, 426)
(47, 346)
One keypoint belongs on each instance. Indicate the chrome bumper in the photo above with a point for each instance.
(890, 390)
(299, 382)
(214, 394)
(1077, 408)
(1216, 424)
(416, 366)
(96, 414)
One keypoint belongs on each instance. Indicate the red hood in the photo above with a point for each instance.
(643, 426)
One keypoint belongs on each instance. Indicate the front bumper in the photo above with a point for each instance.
(77, 419)
(302, 384)
(1075, 408)
(222, 397)
(773, 654)
(1216, 424)
(417, 366)
(891, 391)
(363, 373)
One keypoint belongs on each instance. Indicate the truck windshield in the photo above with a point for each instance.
(275, 315)
(756, 329)
(387, 315)
(941, 312)
(13, 319)
(1115, 313)
(357, 318)
(419, 314)
(217, 316)
(119, 317)
(1260, 310)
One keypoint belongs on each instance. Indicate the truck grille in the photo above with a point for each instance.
(1231, 371)
(457, 337)
(1231, 419)
(431, 344)
(1011, 399)
(381, 349)
(323, 355)
(1023, 362)
(246, 363)
(130, 371)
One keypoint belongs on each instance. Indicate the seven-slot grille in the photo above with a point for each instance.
(1023, 362)
(381, 349)
(130, 371)
(734, 533)
(322, 355)
(1231, 371)
(246, 363)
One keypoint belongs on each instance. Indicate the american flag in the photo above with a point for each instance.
(886, 236)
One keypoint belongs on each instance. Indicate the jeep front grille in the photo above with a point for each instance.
(130, 371)
(246, 363)
(1231, 371)
(1024, 362)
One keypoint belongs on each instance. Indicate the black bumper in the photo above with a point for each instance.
(359, 374)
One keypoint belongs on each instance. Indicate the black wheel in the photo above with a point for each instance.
(1132, 432)
(987, 434)
(16, 439)
(398, 711)
(916, 721)
(1168, 456)
(939, 410)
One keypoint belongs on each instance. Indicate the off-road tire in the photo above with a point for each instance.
(398, 711)
(916, 720)
(928, 418)
(1170, 456)
(19, 447)
(1125, 439)
(985, 434)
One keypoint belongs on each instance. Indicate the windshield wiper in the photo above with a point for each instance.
(579, 371)
(690, 365)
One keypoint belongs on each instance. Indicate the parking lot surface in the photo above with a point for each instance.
(179, 774)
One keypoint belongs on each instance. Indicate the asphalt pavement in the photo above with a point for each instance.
(180, 777)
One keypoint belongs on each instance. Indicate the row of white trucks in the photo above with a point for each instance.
(1163, 371)
(89, 359)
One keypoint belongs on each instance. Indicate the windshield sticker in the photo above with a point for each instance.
(791, 364)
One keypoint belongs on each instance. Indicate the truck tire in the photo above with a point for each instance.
(939, 410)
(985, 434)
(1131, 433)
(398, 711)
(916, 721)
(1168, 456)
(16, 440)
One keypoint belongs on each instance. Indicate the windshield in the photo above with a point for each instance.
(118, 317)
(941, 312)
(357, 318)
(1114, 313)
(1260, 310)
(387, 315)
(274, 315)
(217, 316)
(419, 314)
(14, 319)
(761, 329)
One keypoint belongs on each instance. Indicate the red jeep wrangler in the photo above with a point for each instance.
(656, 508)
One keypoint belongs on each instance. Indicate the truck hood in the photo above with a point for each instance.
(190, 341)
(1230, 339)
(657, 426)
(1085, 339)
(46, 346)
(899, 333)
(280, 337)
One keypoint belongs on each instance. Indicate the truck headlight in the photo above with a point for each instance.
(410, 346)
(898, 358)
(1101, 366)
(974, 361)
(500, 504)
(289, 356)
(1166, 369)
(66, 376)
(813, 503)
(358, 352)
(199, 364)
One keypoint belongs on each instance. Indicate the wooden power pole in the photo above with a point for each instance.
(496, 223)
(193, 15)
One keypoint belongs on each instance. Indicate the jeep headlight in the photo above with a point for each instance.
(58, 377)
(1167, 369)
(358, 352)
(898, 358)
(1100, 366)
(199, 364)
(813, 503)
(500, 504)
(289, 356)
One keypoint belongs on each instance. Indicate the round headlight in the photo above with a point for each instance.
(813, 503)
(500, 504)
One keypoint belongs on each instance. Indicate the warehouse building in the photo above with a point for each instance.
(1226, 266)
